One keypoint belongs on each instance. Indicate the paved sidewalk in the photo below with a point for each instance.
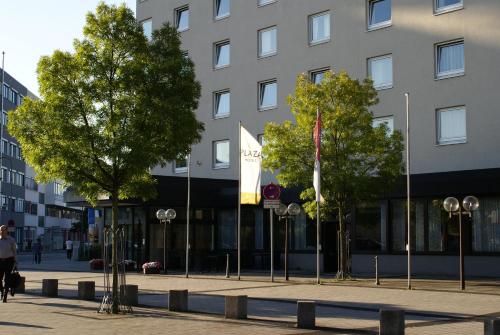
(348, 308)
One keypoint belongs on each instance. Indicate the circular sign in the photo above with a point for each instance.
(271, 192)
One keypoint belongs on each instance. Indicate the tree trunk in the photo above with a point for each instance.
(114, 253)
(342, 274)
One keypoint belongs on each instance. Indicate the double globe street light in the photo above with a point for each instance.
(452, 206)
(165, 216)
(286, 213)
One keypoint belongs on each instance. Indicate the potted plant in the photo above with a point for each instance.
(130, 265)
(96, 264)
(151, 267)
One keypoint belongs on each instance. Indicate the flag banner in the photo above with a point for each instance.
(250, 163)
(317, 168)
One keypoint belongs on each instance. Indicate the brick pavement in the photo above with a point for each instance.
(352, 307)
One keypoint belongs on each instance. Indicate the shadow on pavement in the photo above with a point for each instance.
(23, 325)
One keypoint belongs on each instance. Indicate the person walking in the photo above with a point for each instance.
(37, 251)
(69, 248)
(7, 259)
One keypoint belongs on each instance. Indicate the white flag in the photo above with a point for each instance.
(250, 164)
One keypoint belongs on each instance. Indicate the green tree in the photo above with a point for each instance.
(358, 162)
(110, 111)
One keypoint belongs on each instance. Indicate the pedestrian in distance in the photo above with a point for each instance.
(37, 251)
(69, 249)
(7, 260)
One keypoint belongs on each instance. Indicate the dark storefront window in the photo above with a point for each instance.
(371, 227)
(486, 227)
(417, 225)
(226, 229)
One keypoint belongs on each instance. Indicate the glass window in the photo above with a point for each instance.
(318, 75)
(182, 18)
(265, 2)
(398, 223)
(222, 54)
(319, 27)
(445, 5)
(379, 13)
(451, 124)
(268, 41)
(221, 154)
(180, 164)
(450, 59)
(222, 106)
(388, 121)
(380, 71)
(226, 228)
(147, 26)
(268, 94)
(371, 227)
(486, 226)
(221, 8)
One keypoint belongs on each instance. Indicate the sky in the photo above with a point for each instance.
(35, 28)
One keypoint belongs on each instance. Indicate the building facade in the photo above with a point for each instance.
(29, 209)
(247, 54)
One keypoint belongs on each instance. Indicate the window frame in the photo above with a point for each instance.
(312, 73)
(177, 16)
(216, 9)
(446, 9)
(378, 25)
(369, 68)
(262, 3)
(311, 32)
(217, 45)
(259, 42)
(458, 140)
(182, 169)
(216, 99)
(216, 165)
(261, 85)
(149, 37)
(383, 119)
(449, 74)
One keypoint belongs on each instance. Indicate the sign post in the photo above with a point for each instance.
(271, 195)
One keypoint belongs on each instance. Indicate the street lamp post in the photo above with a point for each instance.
(452, 206)
(165, 216)
(285, 212)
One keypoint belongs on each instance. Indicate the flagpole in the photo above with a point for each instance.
(239, 200)
(187, 211)
(1, 133)
(318, 220)
(407, 96)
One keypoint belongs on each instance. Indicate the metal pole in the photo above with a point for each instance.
(286, 248)
(164, 247)
(1, 133)
(318, 225)
(462, 270)
(187, 212)
(272, 242)
(407, 95)
(239, 200)
(377, 281)
(227, 265)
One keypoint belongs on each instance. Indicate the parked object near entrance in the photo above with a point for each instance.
(96, 264)
(151, 268)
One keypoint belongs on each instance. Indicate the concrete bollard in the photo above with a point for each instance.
(86, 290)
(492, 327)
(392, 322)
(22, 287)
(50, 287)
(129, 295)
(178, 300)
(306, 314)
(236, 307)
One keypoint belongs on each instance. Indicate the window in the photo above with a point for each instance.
(450, 60)
(268, 94)
(222, 54)
(388, 121)
(58, 189)
(221, 154)
(268, 42)
(379, 14)
(5, 147)
(19, 205)
(182, 18)
(371, 227)
(222, 104)
(319, 28)
(221, 9)
(318, 75)
(5, 118)
(181, 164)
(265, 2)
(261, 139)
(451, 126)
(147, 26)
(448, 5)
(380, 70)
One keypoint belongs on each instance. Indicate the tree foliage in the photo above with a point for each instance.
(358, 162)
(111, 110)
